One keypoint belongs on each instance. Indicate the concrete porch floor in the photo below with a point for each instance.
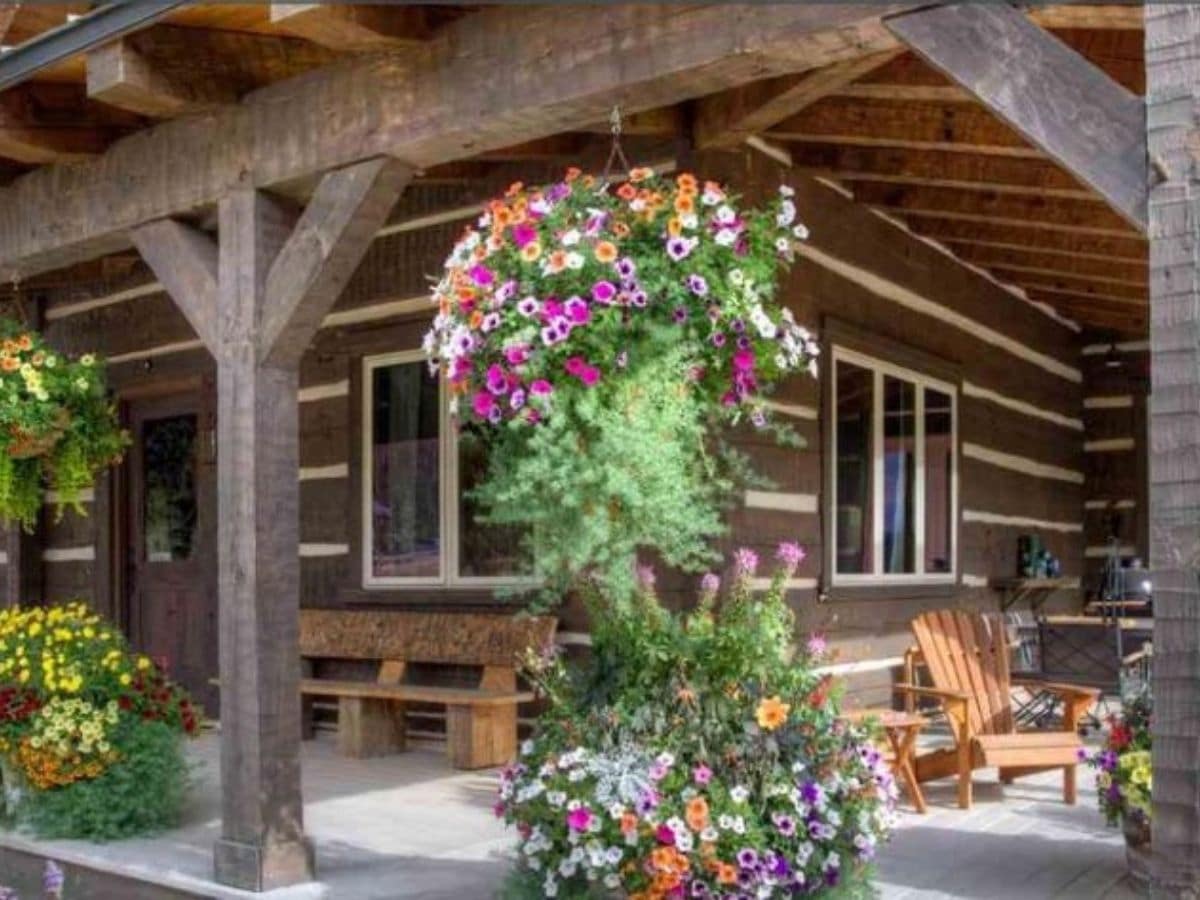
(409, 827)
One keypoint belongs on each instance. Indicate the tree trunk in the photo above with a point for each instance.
(1173, 92)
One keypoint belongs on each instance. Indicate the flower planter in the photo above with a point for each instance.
(1137, 848)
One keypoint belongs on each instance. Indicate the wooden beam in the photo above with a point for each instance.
(1076, 285)
(938, 169)
(354, 28)
(450, 101)
(1036, 261)
(924, 93)
(8, 12)
(912, 125)
(1088, 216)
(1106, 16)
(321, 254)
(1061, 102)
(47, 123)
(1024, 236)
(168, 70)
(728, 118)
(185, 261)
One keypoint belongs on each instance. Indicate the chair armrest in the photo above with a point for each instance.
(936, 693)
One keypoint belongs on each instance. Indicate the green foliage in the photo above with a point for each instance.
(141, 793)
(57, 425)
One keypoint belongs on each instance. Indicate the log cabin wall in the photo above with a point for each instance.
(1017, 369)
(1116, 394)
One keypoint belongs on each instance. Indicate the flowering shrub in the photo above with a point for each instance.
(600, 338)
(694, 755)
(57, 426)
(89, 731)
(1123, 773)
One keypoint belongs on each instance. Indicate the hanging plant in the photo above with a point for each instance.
(601, 337)
(57, 425)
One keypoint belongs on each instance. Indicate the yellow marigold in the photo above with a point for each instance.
(771, 713)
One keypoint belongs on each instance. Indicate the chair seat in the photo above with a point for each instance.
(1029, 748)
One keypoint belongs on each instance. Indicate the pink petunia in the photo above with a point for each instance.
(702, 774)
(579, 819)
(589, 376)
(743, 360)
(483, 403)
(575, 365)
(523, 234)
(541, 388)
(665, 835)
(516, 354)
(577, 311)
(482, 275)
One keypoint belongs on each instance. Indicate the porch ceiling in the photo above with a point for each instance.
(888, 127)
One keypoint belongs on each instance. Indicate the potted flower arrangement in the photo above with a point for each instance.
(1123, 776)
(694, 755)
(57, 425)
(90, 733)
(601, 338)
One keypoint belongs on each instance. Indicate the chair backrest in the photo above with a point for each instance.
(481, 639)
(968, 652)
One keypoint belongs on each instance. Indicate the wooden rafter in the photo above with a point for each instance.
(1061, 102)
(353, 27)
(939, 168)
(168, 71)
(1035, 261)
(1075, 286)
(728, 118)
(8, 12)
(915, 126)
(49, 123)
(1023, 236)
(450, 101)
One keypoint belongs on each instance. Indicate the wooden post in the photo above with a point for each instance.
(256, 298)
(1172, 96)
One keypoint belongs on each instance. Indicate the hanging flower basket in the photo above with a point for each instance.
(58, 428)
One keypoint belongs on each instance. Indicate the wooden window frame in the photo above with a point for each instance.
(449, 524)
(883, 357)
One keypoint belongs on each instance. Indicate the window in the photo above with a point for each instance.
(893, 473)
(419, 526)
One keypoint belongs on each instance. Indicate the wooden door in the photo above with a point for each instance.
(170, 511)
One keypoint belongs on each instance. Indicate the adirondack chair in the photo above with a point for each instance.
(967, 657)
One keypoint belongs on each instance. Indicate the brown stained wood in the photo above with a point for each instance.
(926, 93)
(120, 75)
(728, 118)
(1025, 237)
(8, 12)
(906, 124)
(1077, 287)
(1036, 261)
(1089, 15)
(449, 102)
(34, 129)
(1173, 76)
(1092, 217)
(320, 255)
(355, 28)
(185, 261)
(417, 693)
(452, 638)
(938, 169)
(1061, 102)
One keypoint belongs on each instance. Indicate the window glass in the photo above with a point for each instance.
(939, 481)
(169, 479)
(899, 471)
(855, 388)
(405, 476)
(484, 551)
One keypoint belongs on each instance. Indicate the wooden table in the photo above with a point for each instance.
(901, 730)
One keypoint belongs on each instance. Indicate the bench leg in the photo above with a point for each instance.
(1069, 785)
(370, 727)
(480, 737)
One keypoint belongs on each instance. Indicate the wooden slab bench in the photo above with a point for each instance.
(481, 721)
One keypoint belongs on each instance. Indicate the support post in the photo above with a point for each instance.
(1172, 96)
(273, 276)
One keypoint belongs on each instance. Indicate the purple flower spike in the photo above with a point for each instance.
(745, 562)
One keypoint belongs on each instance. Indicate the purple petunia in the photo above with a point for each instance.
(517, 399)
(784, 824)
(626, 268)
(697, 285)
(490, 322)
(718, 339)
(529, 307)
(680, 315)
(639, 298)
(747, 857)
(497, 381)
(680, 248)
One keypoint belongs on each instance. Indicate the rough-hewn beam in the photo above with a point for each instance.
(1104, 16)
(1035, 261)
(42, 124)
(728, 118)
(185, 261)
(911, 125)
(352, 27)
(8, 12)
(1026, 237)
(449, 101)
(321, 254)
(120, 75)
(1061, 102)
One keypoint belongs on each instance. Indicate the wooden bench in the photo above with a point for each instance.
(481, 721)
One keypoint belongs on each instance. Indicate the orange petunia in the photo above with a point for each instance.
(10, 346)
(531, 251)
(515, 188)
(674, 226)
(684, 204)
(629, 823)
(726, 874)
(696, 814)
(10, 364)
(501, 216)
(606, 251)
(641, 173)
(627, 191)
(476, 319)
(573, 172)
(686, 181)
(771, 713)
(557, 261)
(620, 229)
(24, 342)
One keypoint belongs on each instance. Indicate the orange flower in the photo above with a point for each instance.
(714, 188)
(771, 713)
(24, 342)
(531, 251)
(696, 814)
(10, 346)
(501, 216)
(627, 191)
(726, 873)
(558, 261)
(476, 319)
(674, 226)
(573, 172)
(641, 173)
(589, 181)
(629, 823)
(10, 364)
(620, 229)
(684, 204)
(606, 251)
(515, 188)
(686, 182)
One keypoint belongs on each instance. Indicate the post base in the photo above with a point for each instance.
(263, 867)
